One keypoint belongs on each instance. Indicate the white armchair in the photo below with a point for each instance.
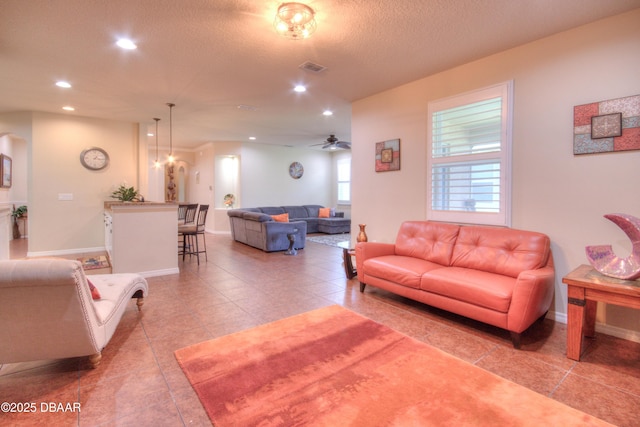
(47, 310)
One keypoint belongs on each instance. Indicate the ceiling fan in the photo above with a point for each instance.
(333, 143)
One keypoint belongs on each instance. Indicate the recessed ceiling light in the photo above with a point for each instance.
(150, 134)
(68, 108)
(300, 88)
(252, 138)
(327, 113)
(63, 84)
(126, 44)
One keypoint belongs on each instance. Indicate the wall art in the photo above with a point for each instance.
(607, 126)
(5, 171)
(296, 170)
(388, 155)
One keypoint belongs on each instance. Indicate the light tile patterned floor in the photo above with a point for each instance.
(140, 383)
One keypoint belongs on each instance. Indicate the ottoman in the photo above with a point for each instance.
(334, 225)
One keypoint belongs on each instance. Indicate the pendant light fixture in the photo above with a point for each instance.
(157, 163)
(170, 105)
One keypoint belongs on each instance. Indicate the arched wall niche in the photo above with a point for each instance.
(176, 182)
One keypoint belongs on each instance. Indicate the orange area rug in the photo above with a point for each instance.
(333, 367)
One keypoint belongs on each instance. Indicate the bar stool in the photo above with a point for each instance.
(186, 216)
(190, 234)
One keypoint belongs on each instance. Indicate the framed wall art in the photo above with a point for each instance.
(388, 155)
(5, 171)
(607, 126)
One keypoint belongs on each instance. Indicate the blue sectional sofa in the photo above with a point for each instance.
(256, 226)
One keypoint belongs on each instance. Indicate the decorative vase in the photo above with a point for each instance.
(362, 235)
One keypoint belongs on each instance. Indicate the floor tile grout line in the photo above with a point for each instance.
(162, 372)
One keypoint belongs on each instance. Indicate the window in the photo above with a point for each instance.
(469, 157)
(344, 181)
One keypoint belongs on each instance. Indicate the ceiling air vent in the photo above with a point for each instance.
(314, 68)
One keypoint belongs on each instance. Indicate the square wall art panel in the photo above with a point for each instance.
(388, 155)
(606, 126)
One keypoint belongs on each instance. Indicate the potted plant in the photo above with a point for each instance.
(126, 194)
(15, 214)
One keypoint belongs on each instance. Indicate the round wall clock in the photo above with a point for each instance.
(296, 170)
(94, 158)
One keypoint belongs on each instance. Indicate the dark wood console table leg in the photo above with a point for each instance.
(349, 269)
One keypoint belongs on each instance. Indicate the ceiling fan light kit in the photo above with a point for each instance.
(333, 143)
(295, 21)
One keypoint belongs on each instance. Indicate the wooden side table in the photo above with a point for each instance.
(585, 287)
(347, 253)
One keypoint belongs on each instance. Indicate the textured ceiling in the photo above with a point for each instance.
(210, 56)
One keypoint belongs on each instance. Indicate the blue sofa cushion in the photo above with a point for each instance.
(313, 211)
(296, 212)
(257, 216)
(272, 210)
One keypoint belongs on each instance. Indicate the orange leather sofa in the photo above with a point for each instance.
(500, 276)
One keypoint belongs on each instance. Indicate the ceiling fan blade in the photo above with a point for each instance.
(333, 143)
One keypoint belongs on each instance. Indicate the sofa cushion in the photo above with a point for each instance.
(324, 213)
(297, 212)
(236, 212)
(489, 290)
(404, 270)
(272, 210)
(334, 225)
(281, 218)
(430, 241)
(312, 224)
(313, 210)
(256, 216)
(500, 250)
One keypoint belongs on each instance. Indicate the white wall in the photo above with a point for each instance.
(264, 178)
(54, 143)
(266, 181)
(15, 131)
(562, 195)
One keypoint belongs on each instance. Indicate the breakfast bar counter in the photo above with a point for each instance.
(141, 237)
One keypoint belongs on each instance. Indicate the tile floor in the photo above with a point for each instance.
(139, 382)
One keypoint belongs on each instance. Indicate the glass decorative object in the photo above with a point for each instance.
(604, 260)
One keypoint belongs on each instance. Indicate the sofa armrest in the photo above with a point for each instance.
(531, 299)
(366, 250)
(287, 227)
(276, 235)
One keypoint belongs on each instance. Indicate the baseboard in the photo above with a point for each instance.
(218, 232)
(151, 273)
(164, 272)
(614, 331)
(65, 252)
